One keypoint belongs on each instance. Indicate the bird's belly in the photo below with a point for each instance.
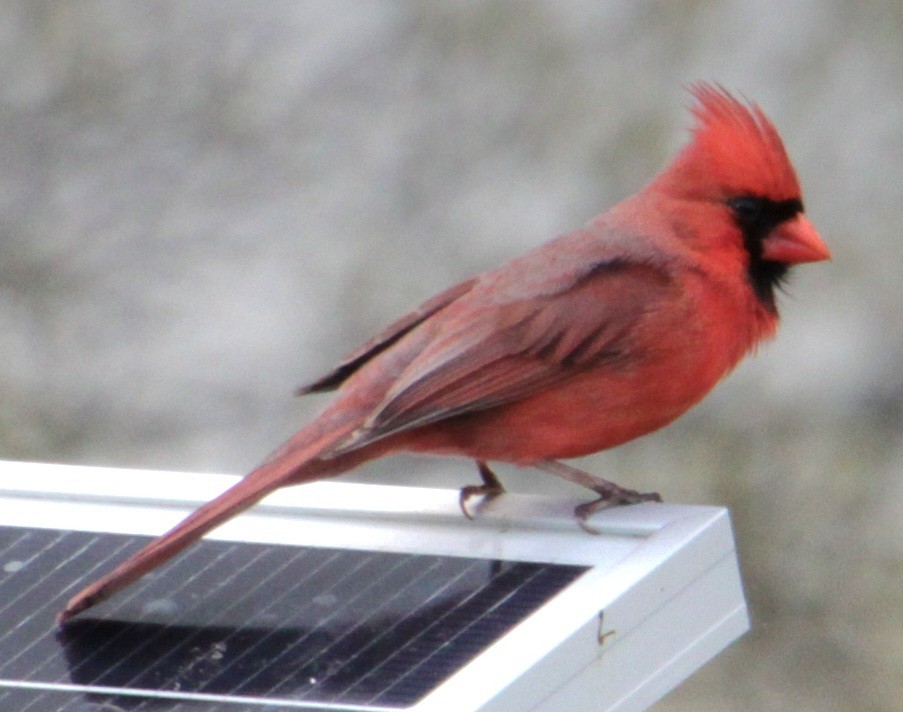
(586, 414)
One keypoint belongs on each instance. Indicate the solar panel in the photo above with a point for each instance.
(325, 601)
(252, 620)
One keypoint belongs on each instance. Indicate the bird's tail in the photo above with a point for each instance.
(295, 462)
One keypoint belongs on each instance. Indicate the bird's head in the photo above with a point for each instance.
(736, 170)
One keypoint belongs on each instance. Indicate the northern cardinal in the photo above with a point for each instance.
(593, 339)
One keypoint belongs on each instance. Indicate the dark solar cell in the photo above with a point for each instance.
(249, 620)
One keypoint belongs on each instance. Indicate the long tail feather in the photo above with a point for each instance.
(294, 463)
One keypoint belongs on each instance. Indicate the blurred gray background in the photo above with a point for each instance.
(202, 205)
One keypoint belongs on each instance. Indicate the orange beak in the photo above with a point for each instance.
(793, 242)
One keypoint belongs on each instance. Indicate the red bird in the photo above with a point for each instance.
(593, 339)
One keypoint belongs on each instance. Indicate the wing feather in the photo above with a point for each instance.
(385, 339)
(491, 354)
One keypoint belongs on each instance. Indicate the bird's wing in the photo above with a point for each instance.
(386, 338)
(487, 354)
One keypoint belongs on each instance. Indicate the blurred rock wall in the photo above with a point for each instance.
(203, 204)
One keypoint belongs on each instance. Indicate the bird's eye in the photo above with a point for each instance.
(747, 209)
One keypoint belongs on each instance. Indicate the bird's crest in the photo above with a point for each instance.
(734, 150)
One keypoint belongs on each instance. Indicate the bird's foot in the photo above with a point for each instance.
(610, 494)
(489, 490)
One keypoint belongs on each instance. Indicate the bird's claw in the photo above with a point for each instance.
(489, 490)
(607, 499)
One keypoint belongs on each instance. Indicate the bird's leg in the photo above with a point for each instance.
(609, 493)
(490, 489)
